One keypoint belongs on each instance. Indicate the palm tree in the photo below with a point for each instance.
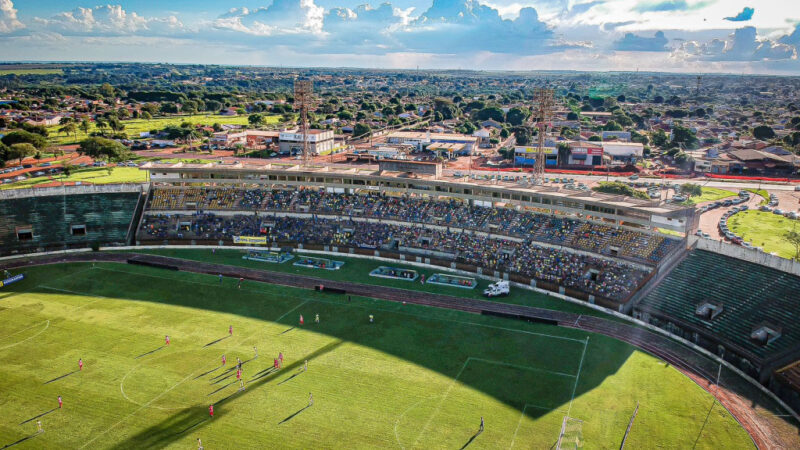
(101, 124)
(85, 126)
(189, 136)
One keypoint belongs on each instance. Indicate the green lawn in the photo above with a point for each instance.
(711, 195)
(418, 377)
(762, 193)
(4, 72)
(135, 126)
(765, 230)
(357, 270)
(94, 175)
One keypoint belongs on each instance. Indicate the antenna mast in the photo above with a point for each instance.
(303, 100)
(544, 100)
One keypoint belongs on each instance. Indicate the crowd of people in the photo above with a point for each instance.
(525, 257)
(580, 234)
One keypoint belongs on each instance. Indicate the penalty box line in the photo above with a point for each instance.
(522, 414)
(488, 361)
(495, 327)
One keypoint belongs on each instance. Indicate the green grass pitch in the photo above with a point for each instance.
(418, 377)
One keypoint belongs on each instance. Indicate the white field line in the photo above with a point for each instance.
(136, 411)
(67, 291)
(163, 408)
(515, 366)
(441, 402)
(24, 329)
(29, 338)
(577, 377)
(40, 285)
(522, 414)
(400, 417)
(532, 333)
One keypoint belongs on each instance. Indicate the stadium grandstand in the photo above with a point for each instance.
(744, 312)
(36, 220)
(598, 248)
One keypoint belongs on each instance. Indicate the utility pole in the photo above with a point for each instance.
(543, 97)
(303, 100)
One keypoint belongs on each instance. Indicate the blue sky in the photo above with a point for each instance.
(666, 35)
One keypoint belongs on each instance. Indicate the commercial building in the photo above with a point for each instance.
(586, 153)
(526, 156)
(626, 152)
(319, 142)
(422, 139)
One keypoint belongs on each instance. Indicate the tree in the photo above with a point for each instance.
(107, 90)
(517, 116)
(361, 129)
(659, 138)
(20, 151)
(492, 112)
(69, 128)
(691, 189)
(618, 188)
(523, 135)
(101, 148)
(24, 137)
(564, 150)
(255, 120)
(612, 125)
(793, 237)
(85, 126)
(595, 138)
(101, 125)
(571, 115)
(146, 115)
(683, 135)
(763, 132)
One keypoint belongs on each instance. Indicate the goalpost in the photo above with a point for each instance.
(571, 436)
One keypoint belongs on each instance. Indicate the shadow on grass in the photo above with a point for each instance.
(284, 381)
(292, 416)
(150, 352)
(36, 417)
(217, 341)
(60, 377)
(164, 433)
(19, 441)
(471, 439)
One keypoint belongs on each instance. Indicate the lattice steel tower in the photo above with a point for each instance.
(303, 100)
(543, 97)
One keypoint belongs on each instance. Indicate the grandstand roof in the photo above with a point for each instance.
(751, 294)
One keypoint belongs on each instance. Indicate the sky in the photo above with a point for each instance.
(722, 36)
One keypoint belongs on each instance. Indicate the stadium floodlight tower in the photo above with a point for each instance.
(303, 100)
(543, 97)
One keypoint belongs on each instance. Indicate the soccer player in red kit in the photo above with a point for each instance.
(301, 319)
(60, 403)
(223, 360)
(211, 411)
(230, 330)
(166, 340)
(80, 363)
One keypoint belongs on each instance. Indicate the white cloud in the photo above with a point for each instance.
(107, 20)
(742, 45)
(281, 17)
(8, 18)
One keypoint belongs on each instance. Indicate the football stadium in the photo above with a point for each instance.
(297, 306)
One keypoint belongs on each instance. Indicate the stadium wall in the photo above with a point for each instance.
(746, 254)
